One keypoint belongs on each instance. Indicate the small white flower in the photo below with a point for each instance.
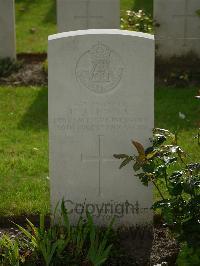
(181, 115)
(128, 12)
(47, 177)
(162, 264)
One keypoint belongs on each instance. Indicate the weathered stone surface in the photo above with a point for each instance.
(88, 14)
(7, 29)
(178, 30)
(101, 95)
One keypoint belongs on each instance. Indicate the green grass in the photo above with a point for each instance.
(169, 102)
(23, 151)
(24, 142)
(38, 15)
(127, 4)
(136, 5)
(36, 19)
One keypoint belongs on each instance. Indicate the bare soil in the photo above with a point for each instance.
(178, 71)
(146, 247)
(30, 74)
(131, 247)
(27, 75)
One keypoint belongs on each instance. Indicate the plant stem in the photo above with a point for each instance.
(158, 189)
(166, 181)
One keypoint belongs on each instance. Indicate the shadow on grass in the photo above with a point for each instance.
(36, 117)
(50, 16)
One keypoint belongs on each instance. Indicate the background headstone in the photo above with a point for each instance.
(178, 30)
(7, 29)
(87, 14)
(101, 95)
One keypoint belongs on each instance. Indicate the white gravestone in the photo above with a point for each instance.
(178, 31)
(101, 95)
(7, 29)
(88, 14)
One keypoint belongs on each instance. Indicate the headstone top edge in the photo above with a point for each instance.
(102, 32)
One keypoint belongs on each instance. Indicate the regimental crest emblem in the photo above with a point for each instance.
(99, 69)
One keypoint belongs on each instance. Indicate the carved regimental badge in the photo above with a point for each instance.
(99, 69)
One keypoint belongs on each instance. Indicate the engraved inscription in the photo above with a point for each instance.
(99, 69)
(95, 117)
(107, 209)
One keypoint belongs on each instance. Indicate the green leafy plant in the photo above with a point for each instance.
(137, 21)
(166, 163)
(45, 66)
(99, 249)
(64, 244)
(9, 254)
(42, 241)
(188, 256)
(8, 66)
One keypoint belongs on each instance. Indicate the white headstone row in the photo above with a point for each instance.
(101, 95)
(178, 27)
(88, 14)
(7, 29)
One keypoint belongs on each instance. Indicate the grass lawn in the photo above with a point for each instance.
(24, 142)
(23, 151)
(136, 5)
(35, 20)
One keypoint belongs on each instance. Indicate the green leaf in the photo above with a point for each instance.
(169, 160)
(125, 162)
(136, 166)
(159, 139)
(151, 155)
(176, 175)
(65, 217)
(176, 189)
(120, 156)
(140, 149)
(145, 178)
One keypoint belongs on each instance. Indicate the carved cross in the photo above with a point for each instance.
(186, 16)
(88, 17)
(98, 158)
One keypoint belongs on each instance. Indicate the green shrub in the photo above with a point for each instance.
(8, 66)
(188, 256)
(137, 21)
(165, 163)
